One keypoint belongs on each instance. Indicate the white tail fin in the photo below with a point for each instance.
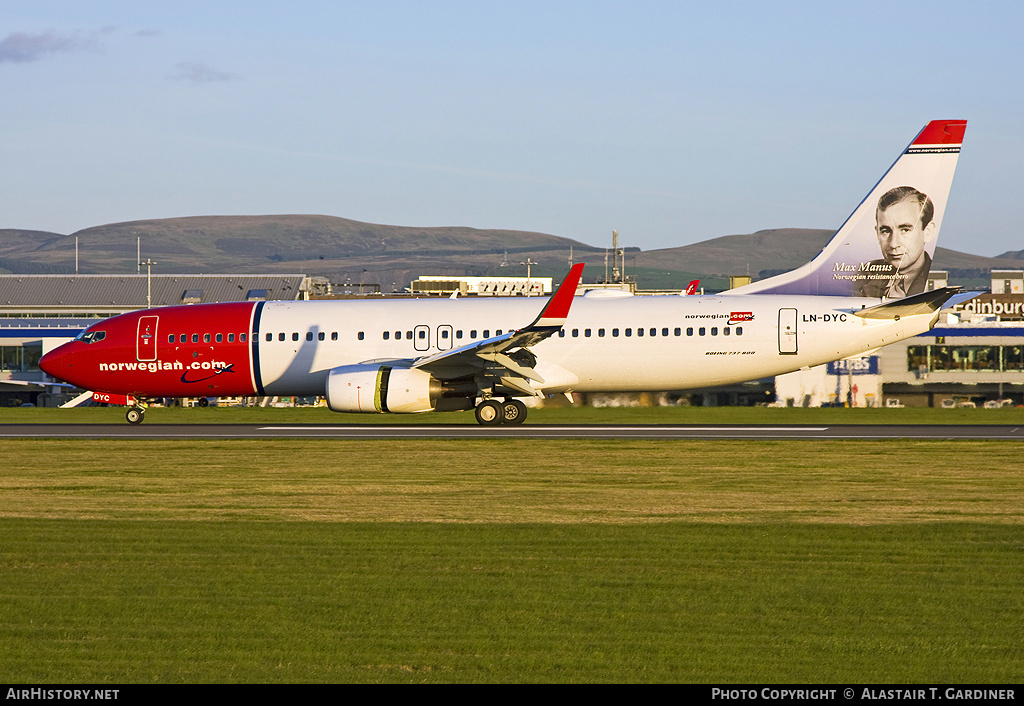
(885, 248)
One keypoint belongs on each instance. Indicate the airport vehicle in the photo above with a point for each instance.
(490, 354)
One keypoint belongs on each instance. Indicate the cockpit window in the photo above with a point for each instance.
(92, 336)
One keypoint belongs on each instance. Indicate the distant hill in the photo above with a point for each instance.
(768, 252)
(1013, 255)
(771, 250)
(339, 248)
(352, 251)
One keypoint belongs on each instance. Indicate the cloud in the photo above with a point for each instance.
(200, 73)
(22, 48)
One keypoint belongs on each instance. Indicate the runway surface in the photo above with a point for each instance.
(527, 431)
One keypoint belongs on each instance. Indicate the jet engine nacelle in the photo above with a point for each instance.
(381, 388)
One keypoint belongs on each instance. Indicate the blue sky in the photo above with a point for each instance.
(671, 122)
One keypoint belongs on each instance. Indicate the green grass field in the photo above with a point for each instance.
(511, 561)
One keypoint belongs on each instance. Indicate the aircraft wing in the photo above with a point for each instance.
(505, 359)
(35, 383)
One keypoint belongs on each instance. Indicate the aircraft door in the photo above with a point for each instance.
(444, 337)
(787, 332)
(421, 338)
(145, 342)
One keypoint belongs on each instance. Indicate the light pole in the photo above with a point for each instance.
(149, 281)
(528, 263)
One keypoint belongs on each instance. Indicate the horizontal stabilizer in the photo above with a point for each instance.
(961, 298)
(923, 303)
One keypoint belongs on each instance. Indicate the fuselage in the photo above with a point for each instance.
(630, 343)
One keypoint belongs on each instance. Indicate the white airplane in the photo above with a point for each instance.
(864, 290)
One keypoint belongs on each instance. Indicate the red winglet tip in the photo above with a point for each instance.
(942, 132)
(558, 307)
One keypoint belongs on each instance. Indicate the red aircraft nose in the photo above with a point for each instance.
(57, 363)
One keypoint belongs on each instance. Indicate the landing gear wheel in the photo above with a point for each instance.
(135, 415)
(489, 413)
(513, 412)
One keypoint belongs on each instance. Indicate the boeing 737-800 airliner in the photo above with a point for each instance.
(864, 290)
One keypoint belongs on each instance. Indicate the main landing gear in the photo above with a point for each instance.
(493, 412)
(135, 415)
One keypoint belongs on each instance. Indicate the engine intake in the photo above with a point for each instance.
(381, 388)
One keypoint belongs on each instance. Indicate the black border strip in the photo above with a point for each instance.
(934, 150)
(256, 349)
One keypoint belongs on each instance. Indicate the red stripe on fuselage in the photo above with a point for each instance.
(201, 350)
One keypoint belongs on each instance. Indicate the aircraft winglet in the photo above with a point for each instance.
(555, 313)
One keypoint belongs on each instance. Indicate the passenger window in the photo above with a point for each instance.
(458, 334)
(195, 338)
(170, 339)
(361, 335)
(280, 336)
(408, 335)
(444, 334)
(270, 337)
(615, 333)
(678, 331)
(575, 333)
(387, 335)
(231, 338)
(600, 333)
(664, 332)
(739, 330)
(487, 333)
(334, 335)
(701, 331)
(689, 330)
(498, 332)
(309, 335)
(714, 330)
(242, 337)
(629, 332)
(220, 338)
(295, 335)
(561, 333)
(206, 338)
(654, 332)
(422, 334)
(586, 333)
(726, 331)
(472, 334)
(321, 336)
(639, 332)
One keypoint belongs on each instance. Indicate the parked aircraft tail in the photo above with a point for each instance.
(885, 248)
